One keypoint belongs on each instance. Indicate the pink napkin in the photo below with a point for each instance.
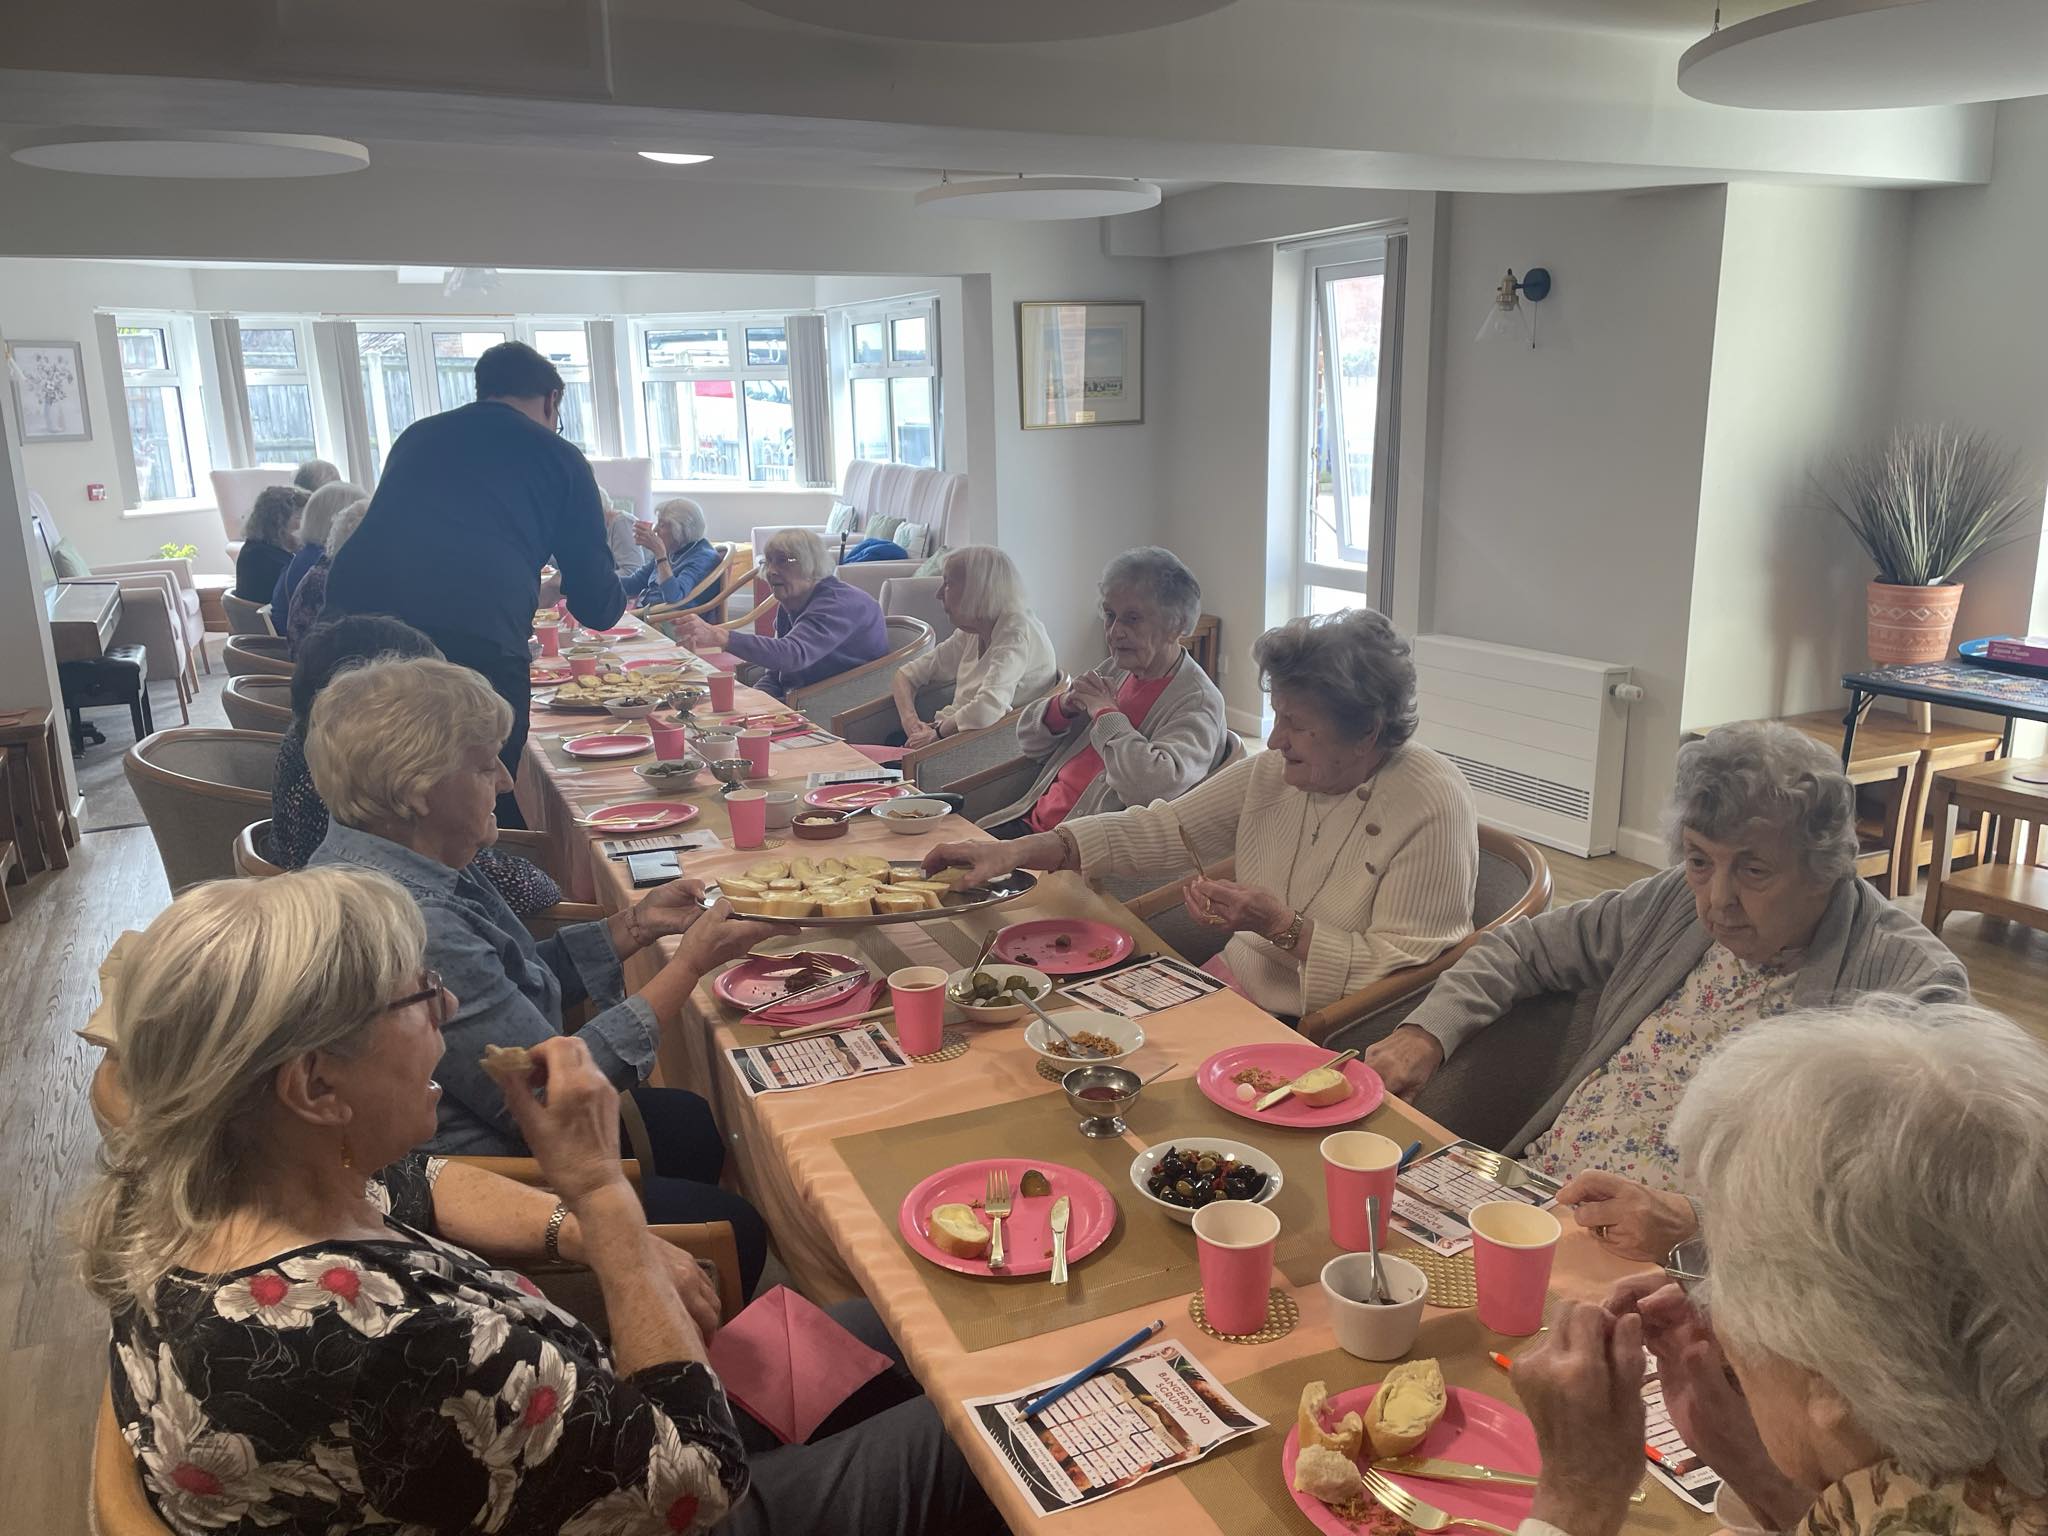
(725, 661)
(884, 755)
(789, 1365)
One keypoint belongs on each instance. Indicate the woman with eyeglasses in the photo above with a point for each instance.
(405, 753)
(1864, 1351)
(823, 626)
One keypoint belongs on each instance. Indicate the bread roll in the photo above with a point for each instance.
(839, 904)
(785, 904)
(510, 1065)
(958, 1230)
(1405, 1409)
(768, 869)
(1322, 1085)
(1323, 1474)
(1345, 1437)
(739, 885)
(867, 864)
(748, 906)
(893, 900)
(784, 885)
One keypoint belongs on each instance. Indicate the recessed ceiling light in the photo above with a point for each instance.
(671, 157)
(1039, 197)
(191, 152)
(948, 21)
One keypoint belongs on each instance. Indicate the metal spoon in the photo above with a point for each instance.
(1081, 1052)
(1372, 1247)
(1148, 1082)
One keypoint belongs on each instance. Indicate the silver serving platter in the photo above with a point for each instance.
(976, 898)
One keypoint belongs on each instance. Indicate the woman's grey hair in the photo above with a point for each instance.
(345, 524)
(322, 507)
(1876, 1189)
(1354, 663)
(811, 555)
(272, 514)
(1157, 576)
(681, 522)
(315, 473)
(991, 590)
(1739, 779)
(382, 735)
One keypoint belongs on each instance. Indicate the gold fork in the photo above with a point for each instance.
(1504, 1171)
(1424, 1517)
(996, 1205)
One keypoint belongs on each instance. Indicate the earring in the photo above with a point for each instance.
(347, 1157)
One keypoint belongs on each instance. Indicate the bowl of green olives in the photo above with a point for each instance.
(1183, 1175)
(995, 994)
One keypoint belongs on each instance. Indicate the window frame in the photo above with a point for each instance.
(737, 371)
(304, 375)
(931, 367)
(528, 330)
(183, 372)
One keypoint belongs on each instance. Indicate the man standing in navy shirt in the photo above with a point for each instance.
(472, 503)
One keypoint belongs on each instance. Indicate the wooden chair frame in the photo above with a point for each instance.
(253, 706)
(267, 654)
(887, 665)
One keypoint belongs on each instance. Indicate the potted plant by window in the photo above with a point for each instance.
(1922, 503)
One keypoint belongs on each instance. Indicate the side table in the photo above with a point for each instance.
(2005, 881)
(43, 830)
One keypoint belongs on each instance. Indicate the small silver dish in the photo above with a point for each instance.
(730, 771)
(1100, 1095)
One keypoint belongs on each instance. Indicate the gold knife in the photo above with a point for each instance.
(1452, 1471)
(1060, 1210)
(1285, 1089)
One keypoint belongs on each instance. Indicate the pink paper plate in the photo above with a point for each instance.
(1090, 945)
(852, 797)
(674, 663)
(603, 744)
(547, 677)
(1027, 1234)
(645, 815)
(1289, 1061)
(750, 983)
(616, 632)
(1475, 1428)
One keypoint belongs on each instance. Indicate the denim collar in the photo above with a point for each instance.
(366, 850)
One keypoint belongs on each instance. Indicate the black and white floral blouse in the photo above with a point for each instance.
(407, 1385)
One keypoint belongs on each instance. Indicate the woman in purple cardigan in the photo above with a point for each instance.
(822, 626)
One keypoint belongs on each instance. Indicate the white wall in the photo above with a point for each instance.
(1806, 346)
(1568, 484)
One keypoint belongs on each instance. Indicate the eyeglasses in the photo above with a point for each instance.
(781, 562)
(433, 992)
(1687, 1264)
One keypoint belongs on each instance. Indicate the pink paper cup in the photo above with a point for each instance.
(754, 748)
(720, 684)
(747, 810)
(550, 638)
(583, 666)
(1234, 1243)
(1358, 1165)
(918, 993)
(1512, 1249)
(671, 742)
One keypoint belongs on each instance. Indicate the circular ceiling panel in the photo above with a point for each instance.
(990, 21)
(1838, 55)
(1039, 197)
(192, 153)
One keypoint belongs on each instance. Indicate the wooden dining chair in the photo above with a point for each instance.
(826, 702)
(245, 617)
(257, 653)
(252, 852)
(198, 788)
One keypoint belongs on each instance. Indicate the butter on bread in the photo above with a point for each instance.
(1324, 1474)
(1322, 1085)
(958, 1230)
(1405, 1409)
(1344, 1437)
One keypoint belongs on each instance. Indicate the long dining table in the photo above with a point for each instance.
(819, 1162)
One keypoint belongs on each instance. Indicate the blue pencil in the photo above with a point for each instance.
(1408, 1156)
(1046, 1399)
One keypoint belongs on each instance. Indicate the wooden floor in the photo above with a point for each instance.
(52, 1337)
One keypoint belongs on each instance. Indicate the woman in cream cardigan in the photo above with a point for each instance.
(997, 654)
(1357, 850)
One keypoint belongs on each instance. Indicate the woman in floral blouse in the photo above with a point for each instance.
(1861, 1347)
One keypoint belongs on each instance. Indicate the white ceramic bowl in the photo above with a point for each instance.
(688, 771)
(1110, 1026)
(633, 711)
(1251, 1157)
(910, 815)
(1382, 1332)
(998, 1013)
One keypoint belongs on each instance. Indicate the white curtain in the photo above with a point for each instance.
(117, 410)
(810, 399)
(341, 387)
(237, 429)
(602, 339)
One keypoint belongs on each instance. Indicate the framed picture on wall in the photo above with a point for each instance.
(49, 391)
(1080, 363)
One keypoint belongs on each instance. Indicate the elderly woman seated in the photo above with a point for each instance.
(1857, 1346)
(298, 816)
(1357, 849)
(322, 507)
(309, 603)
(303, 1340)
(1763, 912)
(1144, 725)
(822, 626)
(681, 555)
(998, 651)
(405, 753)
(269, 537)
(313, 474)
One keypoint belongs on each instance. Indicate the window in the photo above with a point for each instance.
(415, 368)
(455, 354)
(1352, 349)
(567, 346)
(714, 396)
(275, 367)
(166, 433)
(388, 398)
(892, 382)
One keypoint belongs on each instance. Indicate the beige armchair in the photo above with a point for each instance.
(150, 618)
(184, 618)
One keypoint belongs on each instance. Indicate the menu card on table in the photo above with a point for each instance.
(1149, 987)
(1151, 1412)
(1676, 1465)
(1434, 1193)
(784, 1065)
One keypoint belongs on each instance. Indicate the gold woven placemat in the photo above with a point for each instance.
(1451, 1281)
(1281, 1316)
(951, 1044)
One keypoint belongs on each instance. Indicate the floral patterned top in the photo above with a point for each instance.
(406, 1384)
(1883, 1501)
(1617, 1118)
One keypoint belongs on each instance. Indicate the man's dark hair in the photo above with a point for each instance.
(347, 642)
(514, 371)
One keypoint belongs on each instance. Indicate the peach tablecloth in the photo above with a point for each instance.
(835, 1243)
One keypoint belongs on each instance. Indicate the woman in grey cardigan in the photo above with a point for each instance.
(1145, 725)
(1763, 913)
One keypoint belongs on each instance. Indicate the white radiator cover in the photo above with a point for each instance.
(1538, 736)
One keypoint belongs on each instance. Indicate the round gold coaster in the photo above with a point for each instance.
(1450, 1279)
(1281, 1316)
(1051, 1073)
(951, 1044)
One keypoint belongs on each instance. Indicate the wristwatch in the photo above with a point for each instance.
(1289, 936)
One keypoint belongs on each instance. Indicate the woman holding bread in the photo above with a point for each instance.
(405, 753)
(304, 1341)
(823, 626)
(1357, 850)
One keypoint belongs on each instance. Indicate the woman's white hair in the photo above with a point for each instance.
(1738, 779)
(345, 524)
(811, 555)
(383, 734)
(314, 473)
(681, 522)
(1876, 1189)
(990, 588)
(232, 981)
(1158, 577)
(322, 507)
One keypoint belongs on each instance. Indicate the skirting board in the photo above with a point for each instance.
(1644, 847)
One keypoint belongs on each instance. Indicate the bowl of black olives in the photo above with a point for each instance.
(995, 994)
(1180, 1177)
